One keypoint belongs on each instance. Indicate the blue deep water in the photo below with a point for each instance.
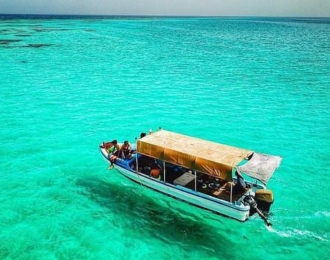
(69, 83)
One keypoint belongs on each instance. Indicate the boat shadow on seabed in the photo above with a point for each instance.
(150, 216)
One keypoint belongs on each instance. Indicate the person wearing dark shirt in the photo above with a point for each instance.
(240, 184)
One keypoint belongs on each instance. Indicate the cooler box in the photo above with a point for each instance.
(184, 179)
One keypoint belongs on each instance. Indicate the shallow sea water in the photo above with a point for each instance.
(68, 84)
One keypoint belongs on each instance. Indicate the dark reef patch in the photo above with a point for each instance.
(37, 45)
(7, 41)
(40, 29)
(89, 30)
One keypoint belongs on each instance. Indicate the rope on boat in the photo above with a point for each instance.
(137, 163)
(139, 178)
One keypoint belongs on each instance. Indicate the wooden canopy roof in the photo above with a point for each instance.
(208, 157)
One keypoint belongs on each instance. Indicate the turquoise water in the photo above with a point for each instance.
(68, 84)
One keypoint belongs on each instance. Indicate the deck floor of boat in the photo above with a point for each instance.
(172, 176)
(222, 193)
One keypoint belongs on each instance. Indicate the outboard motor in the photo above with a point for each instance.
(249, 200)
(264, 199)
(254, 208)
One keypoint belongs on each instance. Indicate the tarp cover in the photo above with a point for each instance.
(261, 166)
(204, 156)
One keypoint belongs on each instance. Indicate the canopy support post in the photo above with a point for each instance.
(164, 170)
(195, 180)
(136, 157)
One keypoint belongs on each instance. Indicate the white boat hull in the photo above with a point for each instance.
(236, 211)
(212, 163)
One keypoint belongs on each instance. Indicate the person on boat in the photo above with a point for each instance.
(155, 170)
(240, 183)
(106, 145)
(126, 150)
(113, 151)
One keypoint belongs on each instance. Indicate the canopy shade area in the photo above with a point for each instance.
(261, 166)
(207, 157)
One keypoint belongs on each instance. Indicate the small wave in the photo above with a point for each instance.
(322, 214)
(297, 232)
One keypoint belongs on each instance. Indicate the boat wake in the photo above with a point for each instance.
(297, 233)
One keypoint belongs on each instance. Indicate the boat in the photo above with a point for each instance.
(201, 173)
